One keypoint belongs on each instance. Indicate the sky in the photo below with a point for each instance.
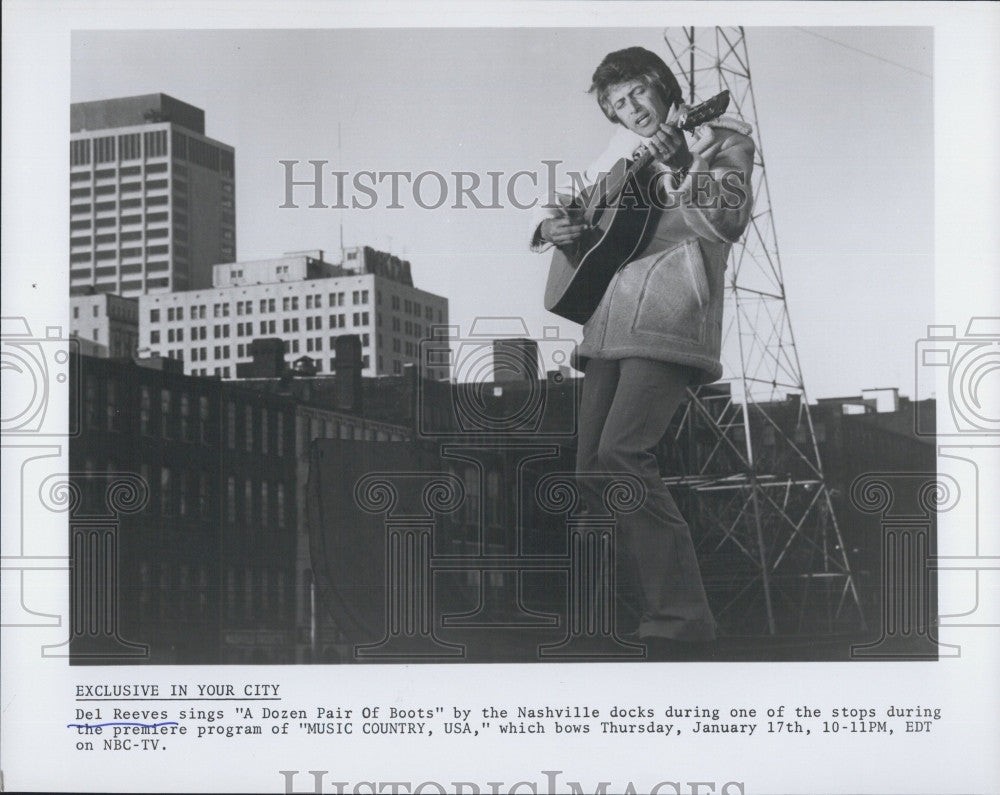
(845, 116)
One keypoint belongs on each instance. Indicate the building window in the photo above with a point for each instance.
(155, 143)
(203, 418)
(104, 149)
(154, 315)
(185, 417)
(166, 421)
(145, 406)
(248, 589)
(90, 402)
(202, 494)
(471, 479)
(166, 492)
(248, 501)
(129, 146)
(248, 428)
(280, 435)
(280, 498)
(79, 153)
(111, 404)
(231, 499)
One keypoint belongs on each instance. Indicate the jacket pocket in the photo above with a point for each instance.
(673, 301)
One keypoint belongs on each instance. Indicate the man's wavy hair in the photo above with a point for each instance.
(633, 63)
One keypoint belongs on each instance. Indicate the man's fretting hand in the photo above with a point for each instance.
(562, 231)
(668, 144)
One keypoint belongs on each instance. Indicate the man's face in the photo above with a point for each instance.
(638, 106)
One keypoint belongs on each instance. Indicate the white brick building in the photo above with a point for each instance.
(106, 325)
(302, 300)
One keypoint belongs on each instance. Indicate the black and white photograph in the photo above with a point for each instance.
(394, 395)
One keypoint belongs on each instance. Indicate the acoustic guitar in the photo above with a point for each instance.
(617, 210)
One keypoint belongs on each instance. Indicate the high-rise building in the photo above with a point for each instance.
(304, 301)
(152, 199)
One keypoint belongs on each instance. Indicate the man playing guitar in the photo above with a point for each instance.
(658, 327)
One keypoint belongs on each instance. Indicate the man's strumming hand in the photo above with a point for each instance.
(562, 231)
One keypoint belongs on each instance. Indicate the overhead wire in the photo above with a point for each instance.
(863, 52)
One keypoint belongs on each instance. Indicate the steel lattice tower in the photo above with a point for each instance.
(745, 463)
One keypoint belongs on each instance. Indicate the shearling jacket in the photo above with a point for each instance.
(666, 304)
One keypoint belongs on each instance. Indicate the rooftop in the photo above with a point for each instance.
(105, 114)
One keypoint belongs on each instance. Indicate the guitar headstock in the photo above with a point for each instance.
(704, 112)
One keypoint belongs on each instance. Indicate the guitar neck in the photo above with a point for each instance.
(693, 117)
